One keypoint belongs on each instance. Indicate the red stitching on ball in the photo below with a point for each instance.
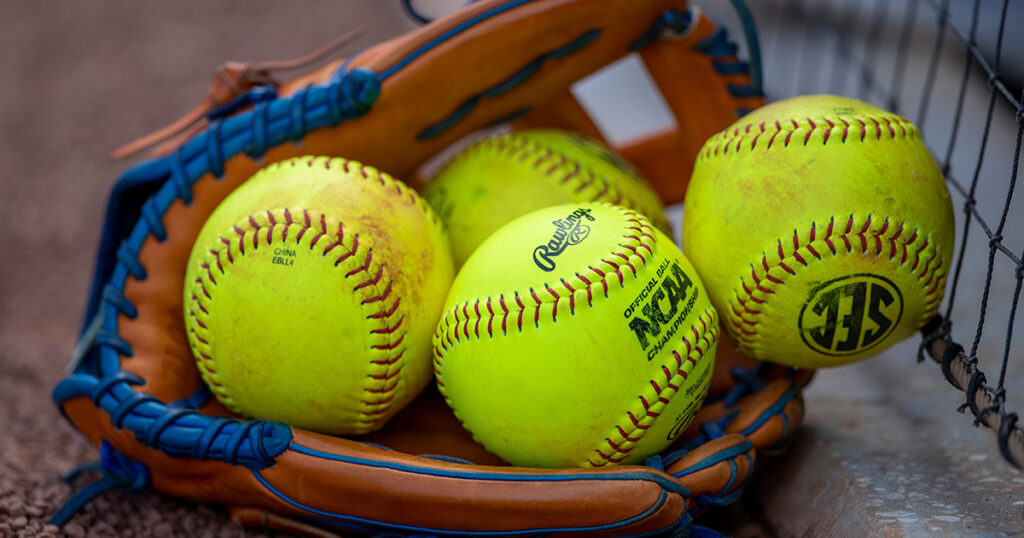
(522, 308)
(619, 450)
(604, 283)
(753, 143)
(878, 128)
(634, 251)
(827, 131)
(202, 286)
(778, 129)
(605, 187)
(590, 293)
(618, 198)
(366, 262)
(285, 221)
(892, 132)
(807, 137)
(590, 181)
(371, 281)
(382, 401)
(536, 310)
(917, 255)
(931, 276)
(383, 295)
(340, 235)
(390, 329)
(504, 318)
(490, 318)
(476, 326)
(382, 377)
(721, 143)
(388, 313)
(209, 273)
(626, 262)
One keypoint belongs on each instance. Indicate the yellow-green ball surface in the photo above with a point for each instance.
(312, 292)
(500, 178)
(822, 228)
(576, 336)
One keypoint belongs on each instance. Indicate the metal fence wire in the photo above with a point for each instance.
(954, 68)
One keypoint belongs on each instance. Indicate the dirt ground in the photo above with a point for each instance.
(79, 79)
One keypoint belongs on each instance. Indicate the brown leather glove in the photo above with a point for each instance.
(135, 391)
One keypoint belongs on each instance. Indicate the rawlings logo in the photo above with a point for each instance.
(568, 231)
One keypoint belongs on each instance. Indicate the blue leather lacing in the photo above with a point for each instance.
(684, 528)
(118, 473)
(115, 298)
(710, 430)
(718, 47)
(201, 448)
(258, 146)
(112, 340)
(748, 381)
(355, 92)
(178, 430)
(196, 400)
(252, 96)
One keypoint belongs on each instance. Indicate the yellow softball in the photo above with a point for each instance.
(311, 294)
(503, 177)
(822, 228)
(576, 336)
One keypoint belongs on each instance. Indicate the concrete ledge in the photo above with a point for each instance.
(883, 452)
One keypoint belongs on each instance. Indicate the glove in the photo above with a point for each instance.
(134, 389)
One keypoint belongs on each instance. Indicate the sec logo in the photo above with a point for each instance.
(850, 314)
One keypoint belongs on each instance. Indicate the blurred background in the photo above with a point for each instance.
(883, 451)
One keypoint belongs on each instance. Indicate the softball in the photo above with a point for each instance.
(576, 336)
(503, 177)
(311, 294)
(822, 228)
